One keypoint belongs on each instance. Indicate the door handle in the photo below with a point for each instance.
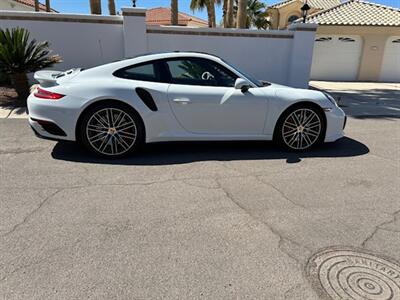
(181, 100)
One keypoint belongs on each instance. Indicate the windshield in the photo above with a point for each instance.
(248, 77)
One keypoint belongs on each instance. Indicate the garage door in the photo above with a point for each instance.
(391, 60)
(336, 57)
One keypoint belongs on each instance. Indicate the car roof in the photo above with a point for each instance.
(162, 55)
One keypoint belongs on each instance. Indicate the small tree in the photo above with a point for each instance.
(20, 55)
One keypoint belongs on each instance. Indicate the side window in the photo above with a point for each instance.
(144, 72)
(198, 71)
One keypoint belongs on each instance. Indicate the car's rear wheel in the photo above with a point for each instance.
(111, 130)
(300, 128)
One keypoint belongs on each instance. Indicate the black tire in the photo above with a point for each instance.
(304, 138)
(103, 138)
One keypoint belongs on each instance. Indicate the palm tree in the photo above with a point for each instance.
(257, 15)
(36, 5)
(229, 13)
(224, 8)
(48, 8)
(241, 14)
(210, 5)
(111, 7)
(174, 12)
(20, 55)
(95, 7)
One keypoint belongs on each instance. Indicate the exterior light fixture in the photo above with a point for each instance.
(304, 10)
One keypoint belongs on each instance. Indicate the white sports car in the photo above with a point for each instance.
(181, 96)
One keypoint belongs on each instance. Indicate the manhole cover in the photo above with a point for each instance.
(344, 273)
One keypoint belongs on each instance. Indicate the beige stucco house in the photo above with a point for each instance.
(20, 5)
(284, 13)
(357, 41)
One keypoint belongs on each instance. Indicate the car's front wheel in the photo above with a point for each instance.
(300, 128)
(111, 130)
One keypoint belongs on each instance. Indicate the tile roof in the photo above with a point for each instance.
(357, 12)
(162, 16)
(322, 4)
(31, 3)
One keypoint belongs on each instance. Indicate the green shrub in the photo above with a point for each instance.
(4, 79)
(20, 55)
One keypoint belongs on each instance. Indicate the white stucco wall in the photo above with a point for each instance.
(79, 39)
(281, 56)
(262, 57)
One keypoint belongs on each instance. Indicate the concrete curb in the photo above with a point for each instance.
(13, 113)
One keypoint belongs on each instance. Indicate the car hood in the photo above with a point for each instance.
(294, 94)
(278, 86)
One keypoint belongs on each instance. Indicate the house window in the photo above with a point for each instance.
(292, 19)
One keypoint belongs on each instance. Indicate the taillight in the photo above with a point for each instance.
(41, 93)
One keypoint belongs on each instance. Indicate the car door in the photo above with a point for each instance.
(204, 101)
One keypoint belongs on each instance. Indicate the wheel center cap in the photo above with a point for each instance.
(300, 128)
(112, 131)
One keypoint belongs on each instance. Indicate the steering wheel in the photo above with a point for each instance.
(207, 76)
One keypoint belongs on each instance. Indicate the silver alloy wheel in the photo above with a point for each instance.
(301, 129)
(111, 131)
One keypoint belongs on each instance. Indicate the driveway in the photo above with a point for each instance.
(204, 220)
(364, 99)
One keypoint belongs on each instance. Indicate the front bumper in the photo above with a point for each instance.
(335, 124)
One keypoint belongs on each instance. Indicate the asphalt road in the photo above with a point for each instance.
(191, 220)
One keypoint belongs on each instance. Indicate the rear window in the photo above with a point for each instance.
(144, 72)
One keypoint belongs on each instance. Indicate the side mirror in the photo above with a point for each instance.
(242, 84)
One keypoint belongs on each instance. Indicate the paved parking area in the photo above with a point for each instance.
(196, 220)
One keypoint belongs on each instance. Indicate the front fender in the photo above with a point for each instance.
(286, 97)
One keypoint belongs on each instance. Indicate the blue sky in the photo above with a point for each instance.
(82, 6)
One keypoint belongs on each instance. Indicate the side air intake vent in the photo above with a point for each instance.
(146, 98)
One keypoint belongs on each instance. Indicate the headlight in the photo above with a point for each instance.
(331, 99)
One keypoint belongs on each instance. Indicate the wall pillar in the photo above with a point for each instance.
(301, 56)
(134, 24)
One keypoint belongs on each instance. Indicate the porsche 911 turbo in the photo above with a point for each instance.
(180, 96)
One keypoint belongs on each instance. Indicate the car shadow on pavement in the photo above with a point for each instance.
(187, 152)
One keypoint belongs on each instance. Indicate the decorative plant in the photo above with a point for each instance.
(20, 55)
